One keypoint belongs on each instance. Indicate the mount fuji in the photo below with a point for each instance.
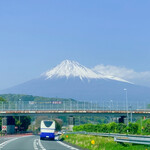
(70, 69)
(69, 79)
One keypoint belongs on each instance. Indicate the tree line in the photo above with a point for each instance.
(22, 97)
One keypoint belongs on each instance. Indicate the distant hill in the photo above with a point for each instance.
(18, 97)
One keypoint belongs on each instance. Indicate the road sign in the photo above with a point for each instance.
(4, 127)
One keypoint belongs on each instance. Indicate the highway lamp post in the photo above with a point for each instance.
(126, 104)
(131, 113)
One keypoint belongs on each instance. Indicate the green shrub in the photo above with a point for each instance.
(133, 128)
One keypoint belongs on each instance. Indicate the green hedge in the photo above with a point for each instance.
(113, 127)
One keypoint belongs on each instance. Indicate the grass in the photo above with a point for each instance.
(101, 143)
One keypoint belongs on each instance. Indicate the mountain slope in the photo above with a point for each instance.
(72, 80)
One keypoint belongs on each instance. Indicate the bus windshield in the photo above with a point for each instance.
(48, 123)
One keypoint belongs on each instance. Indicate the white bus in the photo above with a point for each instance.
(47, 129)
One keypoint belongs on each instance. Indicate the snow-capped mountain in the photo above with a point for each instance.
(69, 79)
(73, 69)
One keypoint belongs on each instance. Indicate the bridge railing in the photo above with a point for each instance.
(72, 106)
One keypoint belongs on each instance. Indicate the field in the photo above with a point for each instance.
(100, 143)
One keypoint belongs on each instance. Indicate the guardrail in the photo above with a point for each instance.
(94, 133)
(137, 139)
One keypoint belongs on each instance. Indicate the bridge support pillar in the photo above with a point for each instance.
(8, 125)
(121, 119)
(71, 122)
(115, 119)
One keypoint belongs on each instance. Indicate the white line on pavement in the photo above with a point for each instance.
(10, 140)
(6, 142)
(41, 145)
(36, 143)
(68, 146)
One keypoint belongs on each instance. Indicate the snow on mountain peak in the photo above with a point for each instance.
(69, 68)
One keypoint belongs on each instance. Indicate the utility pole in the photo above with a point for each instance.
(126, 104)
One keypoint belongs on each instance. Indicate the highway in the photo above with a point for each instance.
(32, 142)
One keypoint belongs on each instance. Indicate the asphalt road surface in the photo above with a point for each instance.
(32, 142)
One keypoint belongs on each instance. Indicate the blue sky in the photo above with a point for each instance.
(37, 35)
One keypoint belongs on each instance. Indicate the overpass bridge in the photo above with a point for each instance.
(73, 108)
(115, 113)
(20, 108)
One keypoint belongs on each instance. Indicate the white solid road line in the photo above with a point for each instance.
(68, 146)
(6, 142)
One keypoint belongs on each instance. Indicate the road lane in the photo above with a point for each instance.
(33, 142)
(19, 143)
(56, 145)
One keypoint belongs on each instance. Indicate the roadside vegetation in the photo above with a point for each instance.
(91, 142)
(142, 126)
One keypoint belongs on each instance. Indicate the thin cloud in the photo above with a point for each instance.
(142, 78)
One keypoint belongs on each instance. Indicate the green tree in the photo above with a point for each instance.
(147, 127)
(2, 99)
(58, 124)
(23, 122)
